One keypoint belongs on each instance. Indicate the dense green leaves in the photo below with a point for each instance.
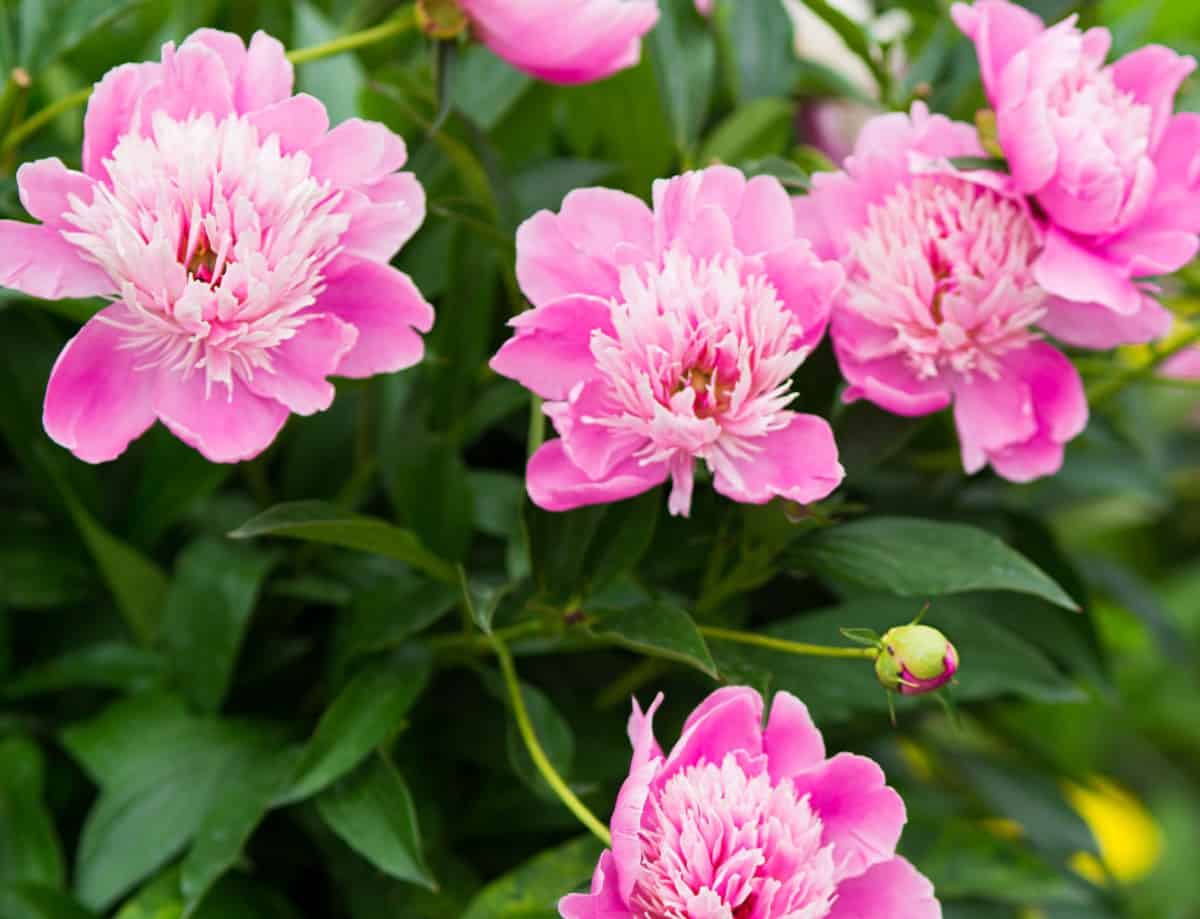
(923, 558)
(532, 891)
(29, 847)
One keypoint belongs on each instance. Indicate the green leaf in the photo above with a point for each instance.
(685, 61)
(789, 174)
(368, 710)
(995, 661)
(485, 87)
(225, 830)
(622, 538)
(50, 28)
(40, 575)
(33, 901)
(660, 629)
(755, 129)
(104, 665)
(911, 557)
(174, 478)
(138, 585)
(867, 435)
(335, 80)
(29, 848)
(373, 813)
(481, 598)
(855, 37)
(428, 483)
(316, 521)
(533, 890)
(759, 37)
(161, 773)
(208, 609)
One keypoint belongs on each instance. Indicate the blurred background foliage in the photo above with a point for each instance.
(195, 725)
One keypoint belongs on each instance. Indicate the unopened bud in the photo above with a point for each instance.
(915, 659)
(441, 18)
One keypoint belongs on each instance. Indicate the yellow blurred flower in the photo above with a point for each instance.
(1129, 839)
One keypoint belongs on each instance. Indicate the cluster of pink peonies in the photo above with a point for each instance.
(742, 821)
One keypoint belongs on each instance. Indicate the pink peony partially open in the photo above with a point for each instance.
(941, 303)
(243, 244)
(564, 41)
(661, 338)
(1098, 147)
(753, 823)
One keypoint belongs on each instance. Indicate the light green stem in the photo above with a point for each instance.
(540, 760)
(402, 22)
(782, 644)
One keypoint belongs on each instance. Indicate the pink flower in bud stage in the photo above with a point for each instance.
(742, 822)
(941, 303)
(564, 41)
(660, 338)
(243, 246)
(1114, 171)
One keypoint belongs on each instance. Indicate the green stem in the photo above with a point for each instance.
(540, 760)
(1108, 388)
(402, 22)
(782, 644)
(475, 643)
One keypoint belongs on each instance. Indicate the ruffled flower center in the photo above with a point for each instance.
(723, 842)
(945, 264)
(699, 364)
(217, 242)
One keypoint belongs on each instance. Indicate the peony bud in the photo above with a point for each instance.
(915, 659)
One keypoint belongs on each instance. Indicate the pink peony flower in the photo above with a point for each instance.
(1115, 172)
(243, 245)
(1183, 366)
(738, 821)
(564, 41)
(664, 337)
(941, 300)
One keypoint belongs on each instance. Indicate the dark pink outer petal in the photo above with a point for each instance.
(799, 462)
(192, 81)
(1027, 139)
(893, 889)
(626, 820)
(792, 742)
(860, 814)
(604, 901)
(384, 220)
(46, 187)
(1066, 268)
(556, 484)
(999, 30)
(300, 365)
(226, 426)
(357, 153)
(729, 720)
(594, 448)
(764, 220)
(267, 76)
(1093, 325)
(805, 285)
(550, 267)
(551, 350)
(111, 111)
(97, 401)
(697, 210)
(297, 122)
(386, 308)
(564, 41)
(36, 260)
(1153, 75)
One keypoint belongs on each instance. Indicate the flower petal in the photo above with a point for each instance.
(46, 187)
(1094, 325)
(357, 153)
(799, 462)
(111, 112)
(1000, 30)
(805, 285)
(300, 365)
(551, 350)
(556, 484)
(728, 720)
(603, 902)
(97, 401)
(792, 742)
(893, 888)
(297, 122)
(36, 260)
(860, 814)
(550, 266)
(387, 309)
(1069, 270)
(1152, 75)
(226, 424)
(267, 76)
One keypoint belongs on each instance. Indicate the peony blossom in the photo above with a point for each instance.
(666, 336)
(742, 821)
(243, 246)
(941, 303)
(1098, 147)
(564, 41)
